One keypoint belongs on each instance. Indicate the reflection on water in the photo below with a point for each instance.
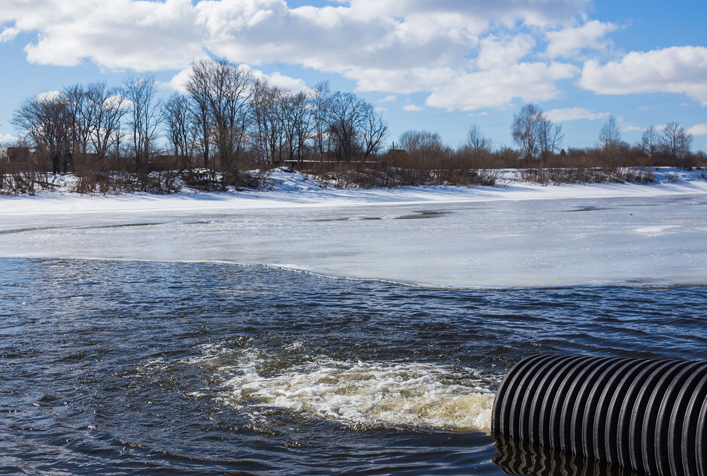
(520, 458)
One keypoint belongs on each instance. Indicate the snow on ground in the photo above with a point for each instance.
(517, 234)
(292, 189)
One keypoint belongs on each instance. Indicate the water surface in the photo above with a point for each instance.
(129, 367)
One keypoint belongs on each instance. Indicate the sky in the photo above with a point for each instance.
(436, 65)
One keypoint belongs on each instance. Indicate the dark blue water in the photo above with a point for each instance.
(162, 368)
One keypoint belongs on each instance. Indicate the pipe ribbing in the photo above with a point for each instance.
(646, 415)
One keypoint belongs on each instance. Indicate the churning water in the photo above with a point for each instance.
(126, 367)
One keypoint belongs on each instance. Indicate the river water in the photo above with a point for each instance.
(137, 367)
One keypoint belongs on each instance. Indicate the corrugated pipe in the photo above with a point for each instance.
(646, 415)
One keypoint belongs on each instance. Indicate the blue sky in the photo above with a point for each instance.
(439, 65)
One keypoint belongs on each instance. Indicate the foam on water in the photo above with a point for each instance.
(357, 394)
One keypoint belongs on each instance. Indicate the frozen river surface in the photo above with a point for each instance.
(495, 243)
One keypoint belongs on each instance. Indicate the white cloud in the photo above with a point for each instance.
(412, 107)
(676, 70)
(179, 80)
(390, 98)
(401, 81)
(114, 34)
(391, 35)
(8, 34)
(7, 138)
(698, 130)
(392, 46)
(537, 13)
(630, 127)
(569, 41)
(495, 52)
(47, 96)
(281, 81)
(575, 114)
(530, 82)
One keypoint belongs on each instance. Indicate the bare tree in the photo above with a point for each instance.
(609, 135)
(80, 129)
(676, 141)
(199, 91)
(180, 128)
(347, 113)
(525, 130)
(374, 131)
(476, 142)
(101, 115)
(303, 122)
(549, 137)
(295, 118)
(222, 91)
(268, 120)
(144, 116)
(47, 121)
(650, 141)
(321, 102)
(424, 148)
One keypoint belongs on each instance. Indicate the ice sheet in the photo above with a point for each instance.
(519, 235)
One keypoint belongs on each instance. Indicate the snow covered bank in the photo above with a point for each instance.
(517, 234)
(292, 189)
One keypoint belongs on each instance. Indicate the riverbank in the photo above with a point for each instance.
(286, 188)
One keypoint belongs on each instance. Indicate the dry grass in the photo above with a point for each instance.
(559, 176)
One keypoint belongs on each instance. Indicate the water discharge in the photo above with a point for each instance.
(356, 394)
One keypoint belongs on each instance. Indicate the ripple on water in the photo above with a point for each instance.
(194, 368)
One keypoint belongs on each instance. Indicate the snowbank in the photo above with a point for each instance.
(293, 189)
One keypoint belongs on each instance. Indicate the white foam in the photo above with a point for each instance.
(356, 394)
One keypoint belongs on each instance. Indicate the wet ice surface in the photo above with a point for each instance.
(496, 243)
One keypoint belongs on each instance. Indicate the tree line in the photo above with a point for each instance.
(227, 121)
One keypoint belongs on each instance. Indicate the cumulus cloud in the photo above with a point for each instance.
(8, 34)
(495, 52)
(569, 41)
(412, 108)
(531, 82)
(680, 69)
(392, 46)
(401, 81)
(7, 138)
(47, 96)
(179, 80)
(281, 81)
(628, 127)
(389, 98)
(631, 127)
(575, 114)
(698, 130)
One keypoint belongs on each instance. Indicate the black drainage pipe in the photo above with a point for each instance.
(645, 415)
